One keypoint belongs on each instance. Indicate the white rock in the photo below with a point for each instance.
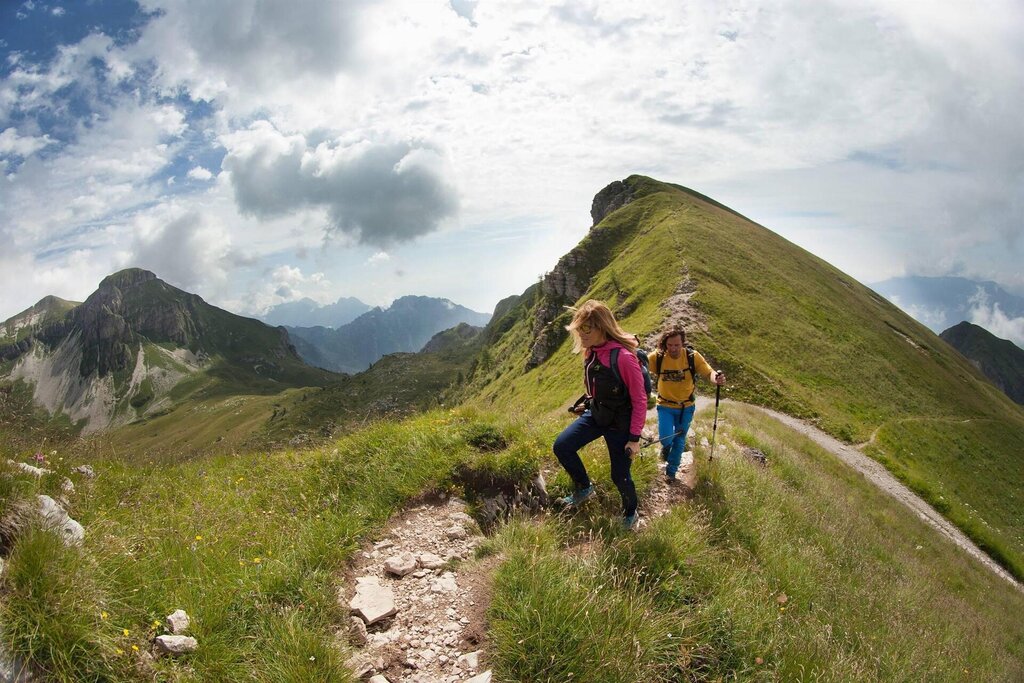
(67, 486)
(379, 679)
(85, 470)
(427, 655)
(177, 621)
(29, 469)
(452, 627)
(401, 564)
(461, 517)
(386, 543)
(372, 601)
(485, 677)
(470, 660)
(176, 645)
(456, 532)
(445, 584)
(54, 517)
(429, 561)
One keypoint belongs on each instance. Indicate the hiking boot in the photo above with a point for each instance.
(671, 479)
(629, 522)
(578, 497)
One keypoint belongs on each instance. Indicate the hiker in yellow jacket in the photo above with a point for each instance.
(673, 367)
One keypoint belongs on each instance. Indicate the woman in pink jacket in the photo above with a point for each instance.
(615, 406)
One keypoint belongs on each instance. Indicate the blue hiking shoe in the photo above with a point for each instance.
(629, 522)
(578, 497)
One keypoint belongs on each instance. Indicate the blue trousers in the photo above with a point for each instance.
(579, 434)
(674, 421)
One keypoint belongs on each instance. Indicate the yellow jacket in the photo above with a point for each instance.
(675, 384)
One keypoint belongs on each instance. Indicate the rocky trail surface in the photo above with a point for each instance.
(418, 599)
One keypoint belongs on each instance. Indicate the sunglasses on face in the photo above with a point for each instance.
(586, 328)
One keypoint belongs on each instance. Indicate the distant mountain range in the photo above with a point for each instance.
(941, 302)
(308, 313)
(406, 325)
(136, 346)
(1000, 360)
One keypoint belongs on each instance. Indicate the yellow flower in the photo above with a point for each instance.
(156, 624)
(103, 615)
(135, 648)
(126, 632)
(256, 560)
(199, 537)
(119, 651)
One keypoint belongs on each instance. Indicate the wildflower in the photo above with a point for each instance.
(135, 648)
(256, 560)
(156, 624)
(39, 457)
(126, 632)
(199, 537)
(103, 615)
(119, 651)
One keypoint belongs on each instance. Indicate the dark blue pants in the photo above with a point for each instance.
(579, 434)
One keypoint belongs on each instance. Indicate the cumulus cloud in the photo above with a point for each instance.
(199, 173)
(378, 257)
(185, 251)
(377, 194)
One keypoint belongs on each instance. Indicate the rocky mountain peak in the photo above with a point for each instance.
(614, 196)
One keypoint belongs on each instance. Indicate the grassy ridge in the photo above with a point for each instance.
(794, 334)
(801, 571)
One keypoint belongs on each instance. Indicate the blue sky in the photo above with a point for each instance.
(261, 151)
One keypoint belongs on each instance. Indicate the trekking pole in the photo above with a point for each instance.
(651, 442)
(714, 427)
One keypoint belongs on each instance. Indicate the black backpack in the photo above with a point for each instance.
(644, 368)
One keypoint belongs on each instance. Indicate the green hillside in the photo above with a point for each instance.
(793, 333)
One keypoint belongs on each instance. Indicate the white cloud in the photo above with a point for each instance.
(375, 194)
(378, 257)
(934, 318)
(199, 173)
(22, 145)
(993, 319)
(58, 11)
(186, 250)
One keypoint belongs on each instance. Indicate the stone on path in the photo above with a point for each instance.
(54, 517)
(401, 564)
(470, 660)
(445, 584)
(485, 677)
(379, 679)
(456, 532)
(177, 621)
(176, 645)
(358, 630)
(429, 561)
(372, 601)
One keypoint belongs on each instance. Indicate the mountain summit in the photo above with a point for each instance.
(116, 356)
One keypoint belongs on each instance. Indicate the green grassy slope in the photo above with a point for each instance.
(795, 334)
(798, 571)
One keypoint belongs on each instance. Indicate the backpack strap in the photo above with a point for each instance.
(614, 361)
(659, 357)
(693, 374)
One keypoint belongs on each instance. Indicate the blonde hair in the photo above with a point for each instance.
(601, 317)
